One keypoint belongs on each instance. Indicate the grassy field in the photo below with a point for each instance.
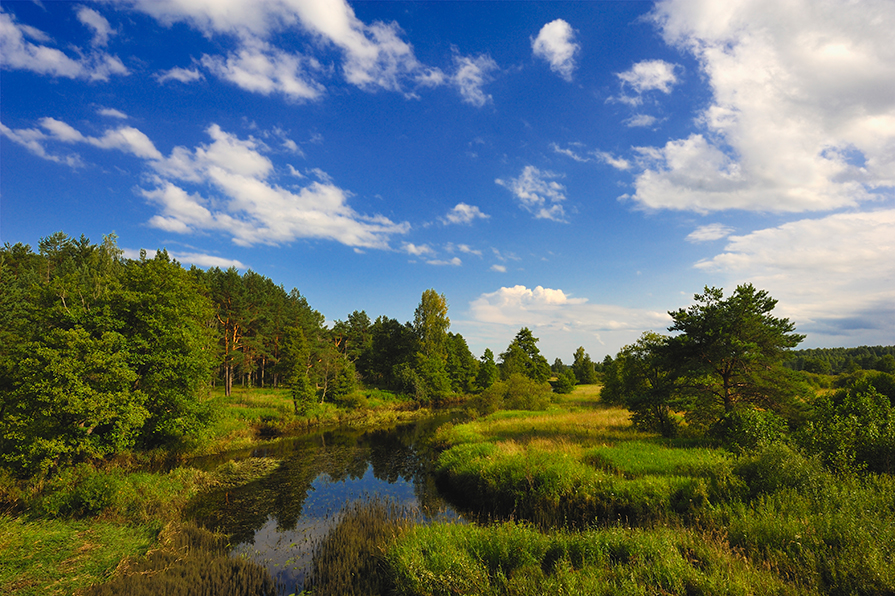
(575, 501)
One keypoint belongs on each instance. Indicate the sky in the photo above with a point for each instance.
(577, 168)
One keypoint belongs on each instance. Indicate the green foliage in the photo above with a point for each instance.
(730, 351)
(518, 392)
(644, 380)
(513, 558)
(431, 323)
(854, 428)
(72, 399)
(488, 372)
(565, 382)
(748, 429)
(583, 367)
(523, 357)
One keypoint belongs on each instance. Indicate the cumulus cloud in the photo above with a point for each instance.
(18, 53)
(538, 193)
(232, 189)
(649, 75)
(374, 55)
(470, 75)
(183, 75)
(802, 117)
(618, 163)
(559, 319)
(555, 43)
(709, 232)
(832, 275)
(464, 214)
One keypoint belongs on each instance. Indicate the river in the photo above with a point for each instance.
(276, 521)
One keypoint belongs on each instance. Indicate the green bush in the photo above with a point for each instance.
(779, 466)
(748, 429)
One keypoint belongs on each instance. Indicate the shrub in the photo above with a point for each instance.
(779, 466)
(748, 429)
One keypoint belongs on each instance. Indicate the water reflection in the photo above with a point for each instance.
(276, 521)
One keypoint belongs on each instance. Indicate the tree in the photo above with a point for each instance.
(294, 359)
(430, 323)
(729, 351)
(523, 357)
(488, 372)
(583, 367)
(461, 365)
(643, 379)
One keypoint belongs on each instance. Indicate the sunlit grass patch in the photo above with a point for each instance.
(638, 458)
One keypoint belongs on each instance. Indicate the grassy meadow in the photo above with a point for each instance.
(572, 500)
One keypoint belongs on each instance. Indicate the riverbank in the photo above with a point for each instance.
(97, 521)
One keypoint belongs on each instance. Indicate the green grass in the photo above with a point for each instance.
(773, 521)
(59, 556)
(512, 558)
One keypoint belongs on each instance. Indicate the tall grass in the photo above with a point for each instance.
(512, 558)
(783, 521)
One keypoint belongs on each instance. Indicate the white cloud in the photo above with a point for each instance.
(417, 250)
(641, 121)
(235, 174)
(499, 268)
(112, 113)
(259, 68)
(649, 75)
(184, 75)
(569, 153)
(833, 276)
(464, 214)
(802, 116)
(709, 232)
(34, 140)
(190, 258)
(455, 262)
(98, 23)
(558, 319)
(538, 193)
(555, 43)
(17, 53)
(471, 75)
(374, 55)
(618, 163)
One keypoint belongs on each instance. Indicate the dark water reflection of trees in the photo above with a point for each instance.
(277, 520)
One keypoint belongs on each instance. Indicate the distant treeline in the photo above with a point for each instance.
(835, 361)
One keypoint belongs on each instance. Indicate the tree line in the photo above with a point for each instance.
(100, 353)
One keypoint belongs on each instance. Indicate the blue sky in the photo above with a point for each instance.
(579, 168)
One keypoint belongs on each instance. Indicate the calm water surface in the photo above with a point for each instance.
(276, 521)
